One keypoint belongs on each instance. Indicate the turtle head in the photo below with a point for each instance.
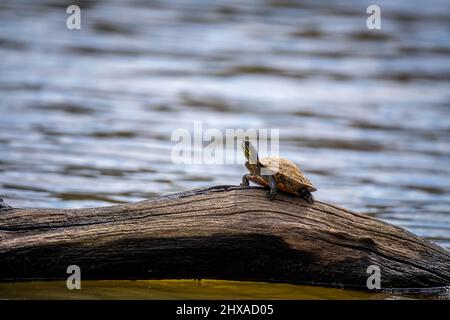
(253, 165)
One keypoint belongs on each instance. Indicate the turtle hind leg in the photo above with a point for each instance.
(3, 205)
(273, 187)
(305, 194)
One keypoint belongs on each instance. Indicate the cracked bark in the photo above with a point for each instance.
(223, 232)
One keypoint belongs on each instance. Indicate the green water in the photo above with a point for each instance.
(188, 289)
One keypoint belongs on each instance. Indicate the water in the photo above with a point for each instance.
(87, 116)
(193, 289)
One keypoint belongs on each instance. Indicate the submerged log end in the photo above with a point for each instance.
(223, 232)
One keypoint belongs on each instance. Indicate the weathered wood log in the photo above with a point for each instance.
(223, 232)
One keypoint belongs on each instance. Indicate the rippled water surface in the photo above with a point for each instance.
(87, 115)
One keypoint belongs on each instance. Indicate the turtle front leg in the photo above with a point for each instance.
(273, 187)
(245, 181)
(305, 194)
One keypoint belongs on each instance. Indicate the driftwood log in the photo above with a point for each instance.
(223, 232)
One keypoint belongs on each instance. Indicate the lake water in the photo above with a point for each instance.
(205, 289)
(87, 115)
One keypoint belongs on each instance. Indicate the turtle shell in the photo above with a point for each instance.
(288, 176)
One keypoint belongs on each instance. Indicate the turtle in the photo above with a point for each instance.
(278, 174)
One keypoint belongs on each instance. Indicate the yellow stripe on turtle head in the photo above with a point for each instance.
(250, 152)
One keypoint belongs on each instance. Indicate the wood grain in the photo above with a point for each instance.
(223, 232)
